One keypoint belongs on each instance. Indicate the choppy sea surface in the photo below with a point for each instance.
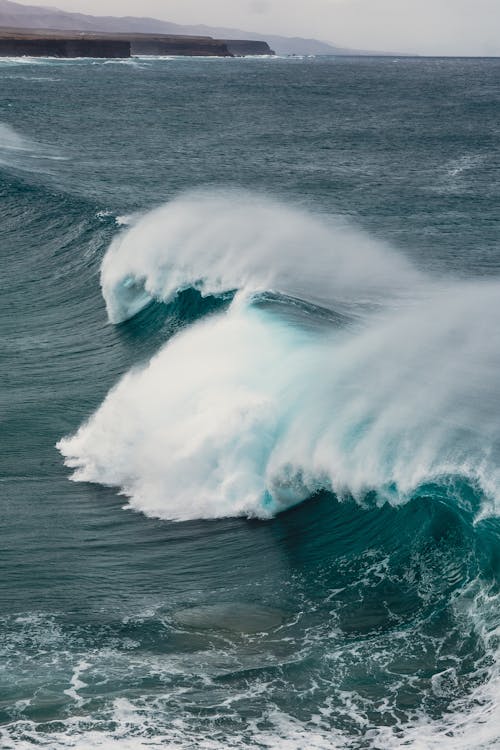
(249, 404)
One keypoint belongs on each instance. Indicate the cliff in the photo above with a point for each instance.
(58, 43)
(15, 44)
(159, 44)
(241, 47)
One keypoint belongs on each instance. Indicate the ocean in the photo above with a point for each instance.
(249, 404)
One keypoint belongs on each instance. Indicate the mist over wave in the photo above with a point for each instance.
(248, 413)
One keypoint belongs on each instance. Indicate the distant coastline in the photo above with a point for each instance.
(239, 42)
(68, 44)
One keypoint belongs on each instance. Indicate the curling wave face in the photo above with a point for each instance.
(250, 412)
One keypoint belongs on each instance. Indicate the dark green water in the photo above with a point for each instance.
(310, 552)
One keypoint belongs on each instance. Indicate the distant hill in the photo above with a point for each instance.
(15, 15)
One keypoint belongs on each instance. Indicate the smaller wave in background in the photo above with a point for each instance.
(19, 152)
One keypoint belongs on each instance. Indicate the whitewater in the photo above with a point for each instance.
(250, 466)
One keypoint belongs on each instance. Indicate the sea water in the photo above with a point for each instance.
(250, 467)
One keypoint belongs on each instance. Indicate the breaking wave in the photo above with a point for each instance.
(250, 412)
(236, 241)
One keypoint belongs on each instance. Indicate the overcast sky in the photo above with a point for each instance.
(420, 26)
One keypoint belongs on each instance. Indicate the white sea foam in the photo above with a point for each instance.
(473, 723)
(168, 716)
(76, 683)
(127, 220)
(22, 60)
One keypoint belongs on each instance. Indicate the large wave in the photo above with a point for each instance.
(248, 413)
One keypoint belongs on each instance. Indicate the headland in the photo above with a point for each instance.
(70, 44)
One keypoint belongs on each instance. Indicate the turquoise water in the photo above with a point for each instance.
(251, 308)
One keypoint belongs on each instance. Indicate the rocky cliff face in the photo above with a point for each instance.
(57, 43)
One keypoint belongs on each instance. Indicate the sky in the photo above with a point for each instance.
(454, 27)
